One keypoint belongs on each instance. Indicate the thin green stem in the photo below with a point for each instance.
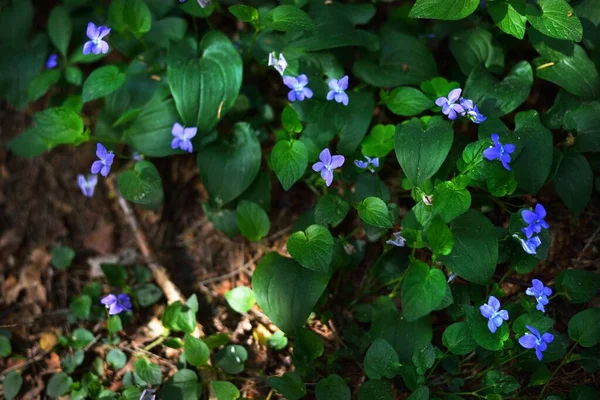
(251, 45)
(437, 362)
(155, 343)
(562, 362)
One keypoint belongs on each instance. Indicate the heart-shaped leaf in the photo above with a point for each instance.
(423, 290)
(142, 185)
(312, 248)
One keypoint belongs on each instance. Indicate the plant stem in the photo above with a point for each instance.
(562, 362)
(437, 362)
(251, 45)
(155, 343)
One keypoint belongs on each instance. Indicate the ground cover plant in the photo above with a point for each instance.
(300, 199)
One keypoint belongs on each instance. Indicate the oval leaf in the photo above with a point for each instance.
(312, 248)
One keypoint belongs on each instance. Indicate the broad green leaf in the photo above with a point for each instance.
(374, 211)
(421, 150)
(59, 385)
(244, 13)
(29, 143)
(196, 351)
(73, 75)
(534, 142)
(290, 385)
(379, 142)
(12, 385)
(225, 220)
(498, 98)
(574, 181)
(102, 82)
(181, 386)
(351, 122)
(290, 120)
(59, 125)
(381, 360)
(439, 237)
(443, 9)
(308, 346)
(241, 299)
(536, 319)
(137, 16)
(179, 317)
(59, 28)
(403, 60)
(16, 20)
(407, 101)
(313, 249)
(288, 18)
(289, 159)
(421, 393)
(424, 358)
(450, 200)
(458, 339)
(149, 372)
(5, 347)
(277, 341)
(376, 390)
(509, 16)
(438, 87)
(231, 359)
(194, 9)
(142, 185)
(80, 306)
(71, 361)
(481, 333)
(423, 290)
(584, 327)
(147, 294)
(286, 291)
(116, 358)
(225, 390)
(331, 209)
(80, 338)
(475, 47)
(582, 392)
(369, 185)
(555, 18)
(204, 88)
(41, 83)
(475, 252)
(332, 388)
(585, 121)
(578, 286)
(62, 257)
(252, 221)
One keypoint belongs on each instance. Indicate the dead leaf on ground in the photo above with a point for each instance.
(30, 280)
(101, 240)
(48, 340)
(53, 361)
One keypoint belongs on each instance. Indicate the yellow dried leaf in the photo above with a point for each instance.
(261, 334)
(48, 340)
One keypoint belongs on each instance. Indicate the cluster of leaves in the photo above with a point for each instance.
(197, 77)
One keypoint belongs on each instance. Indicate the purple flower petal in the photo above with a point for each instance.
(327, 175)
(189, 133)
(333, 85)
(529, 216)
(361, 164)
(509, 148)
(491, 326)
(547, 337)
(318, 166)
(307, 92)
(109, 299)
(302, 80)
(92, 31)
(292, 95)
(454, 95)
(331, 95)
(494, 303)
(88, 47)
(96, 167)
(343, 83)
(486, 311)
(528, 341)
(290, 82)
(103, 31)
(441, 101)
(492, 153)
(337, 161)
(540, 211)
(325, 156)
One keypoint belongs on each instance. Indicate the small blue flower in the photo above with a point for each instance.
(535, 340)
(397, 240)
(299, 91)
(499, 151)
(117, 304)
(471, 111)
(137, 156)
(337, 91)
(52, 61)
(280, 64)
(535, 220)
(327, 164)
(449, 105)
(96, 45)
(530, 245)
(182, 137)
(492, 312)
(88, 185)
(540, 292)
(105, 161)
(148, 394)
(366, 164)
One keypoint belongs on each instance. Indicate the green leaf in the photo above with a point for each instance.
(407, 101)
(182, 386)
(252, 220)
(277, 341)
(142, 185)
(148, 372)
(475, 47)
(288, 18)
(578, 286)
(137, 16)
(424, 358)
(81, 306)
(241, 299)
(59, 29)
(534, 141)
(179, 317)
(585, 120)
(59, 385)
(73, 75)
(59, 125)
(114, 324)
(498, 98)
(244, 13)
(481, 333)
(331, 209)
(475, 252)
(236, 163)
(147, 294)
(12, 385)
(290, 385)
(574, 181)
(116, 274)
(5, 347)
(332, 388)
(423, 290)
(204, 88)
(582, 392)
(62, 257)
(351, 122)
(403, 60)
(421, 150)
(381, 360)
(313, 249)
(286, 291)
(29, 143)
(102, 82)
(450, 200)
(80, 338)
(195, 350)
(584, 327)
(439, 237)
(166, 30)
(225, 220)
(443, 9)
(536, 319)
(225, 390)
(421, 393)
(231, 359)
(194, 9)
(116, 358)
(509, 16)
(290, 120)
(458, 339)
(376, 390)
(379, 142)
(374, 211)
(41, 83)
(555, 18)
(289, 159)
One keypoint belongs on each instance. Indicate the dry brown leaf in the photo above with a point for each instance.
(53, 361)
(101, 240)
(30, 280)
(48, 340)
(261, 334)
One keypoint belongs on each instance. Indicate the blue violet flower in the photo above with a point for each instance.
(535, 220)
(337, 91)
(105, 161)
(327, 164)
(182, 137)
(52, 61)
(397, 240)
(298, 85)
(450, 105)
(367, 164)
(117, 304)
(96, 45)
(536, 341)
(499, 151)
(540, 292)
(493, 313)
(88, 185)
